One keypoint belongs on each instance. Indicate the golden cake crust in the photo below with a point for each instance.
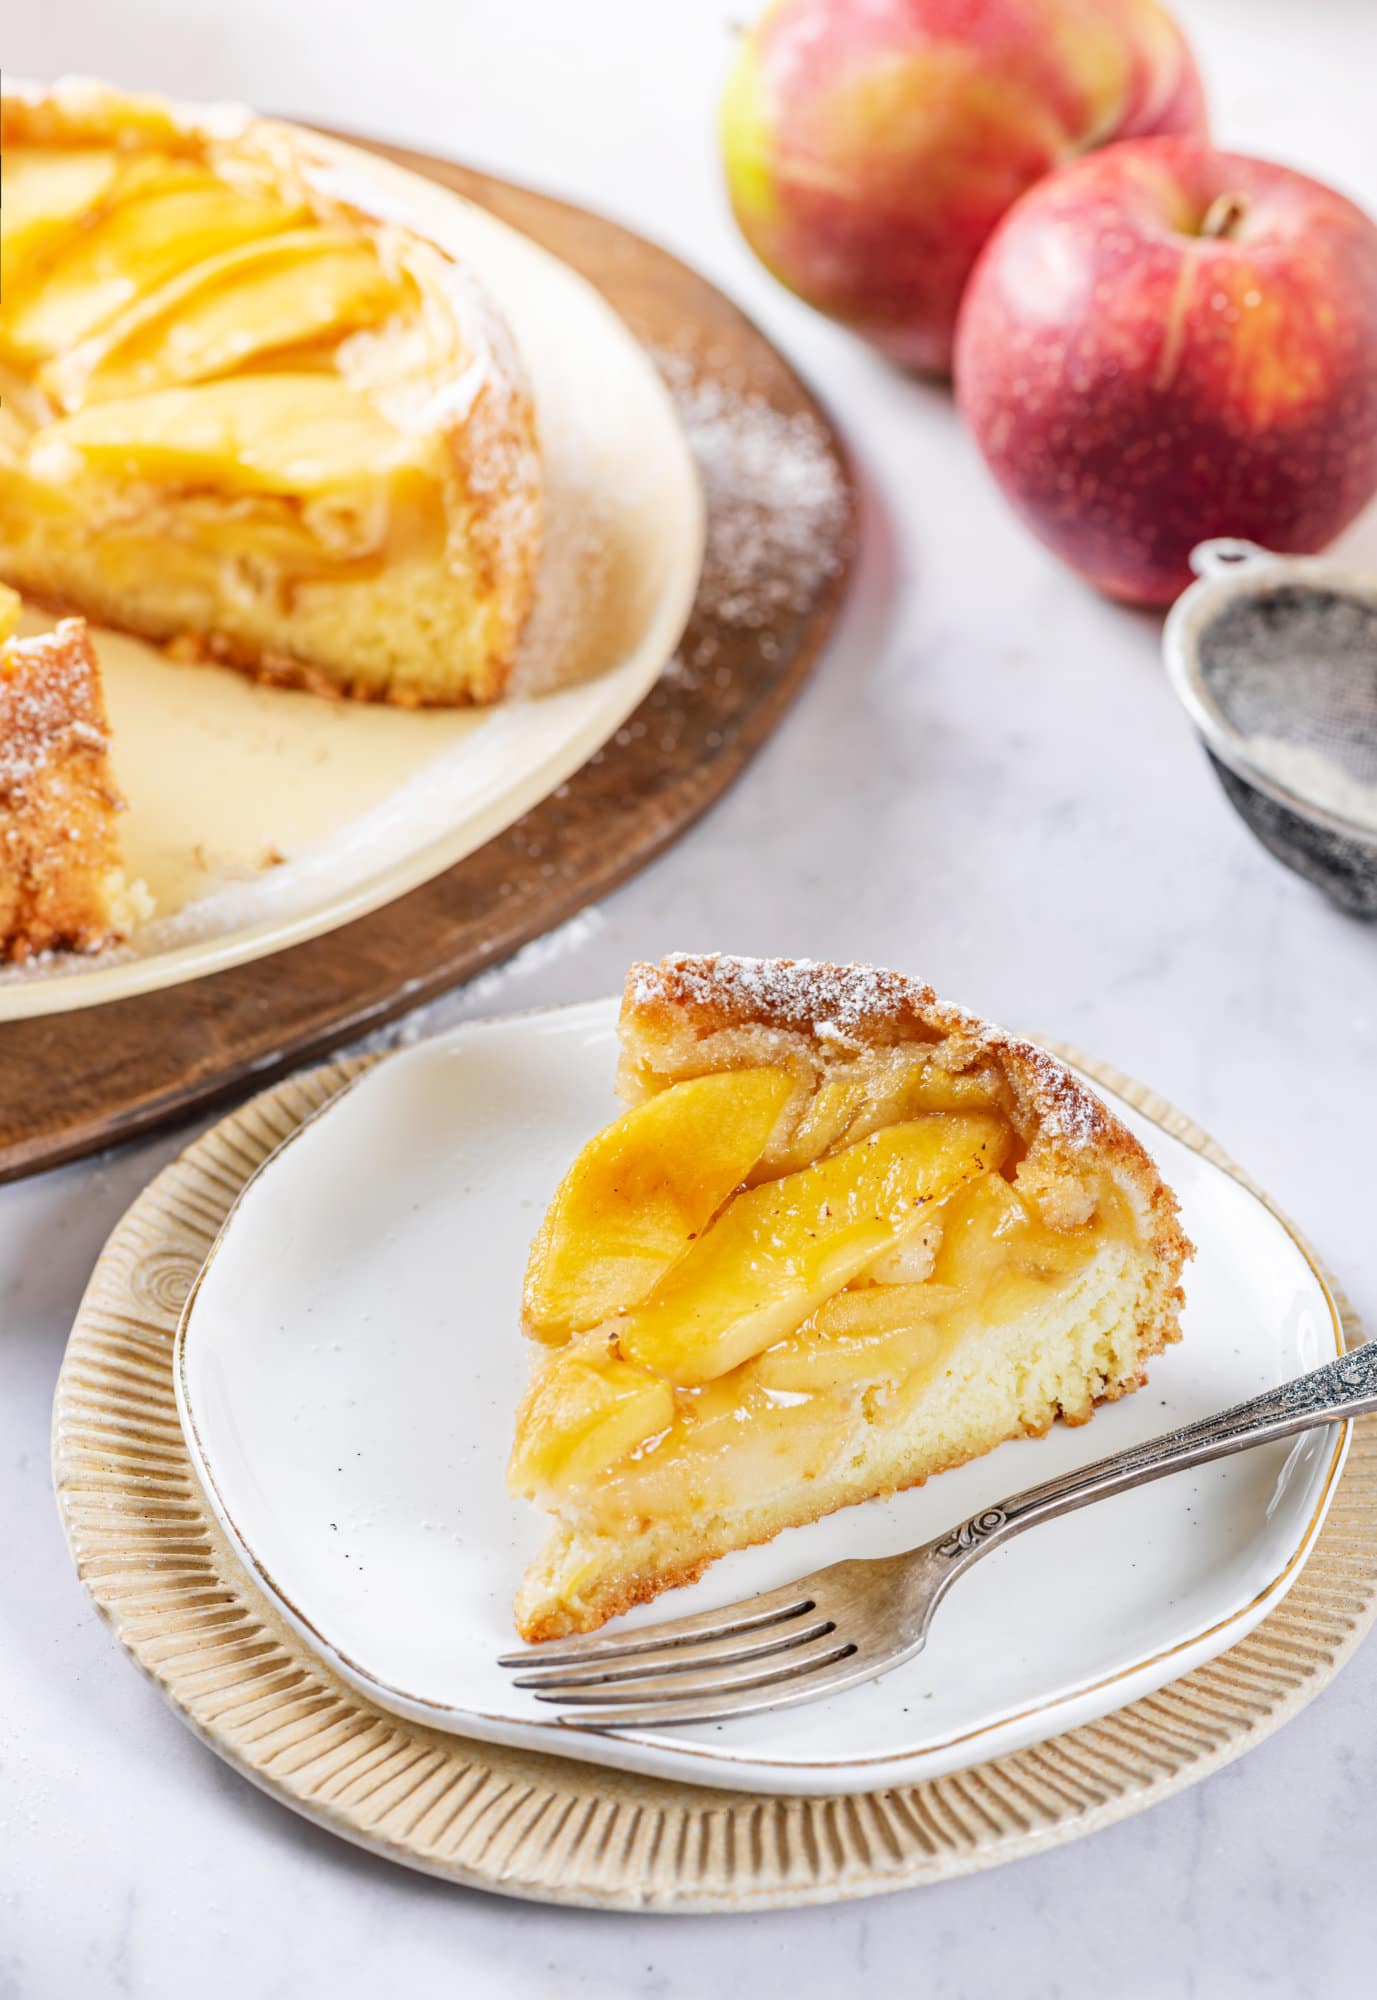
(61, 885)
(471, 397)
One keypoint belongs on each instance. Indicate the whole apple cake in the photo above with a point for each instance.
(246, 410)
(845, 1237)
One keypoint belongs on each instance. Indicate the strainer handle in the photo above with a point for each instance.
(1226, 556)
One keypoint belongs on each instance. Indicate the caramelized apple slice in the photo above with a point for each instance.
(997, 1249)
(639, 1193)
(182, 215)
(846, 1108)
(258, 298)
(47, 190)
(911, 1260)
(732, 1442)
(974, 1222)
(877, 1334)
(832, 1111)
(299, 434)
(933, 1088)
(585, 1411)
(780, 1249)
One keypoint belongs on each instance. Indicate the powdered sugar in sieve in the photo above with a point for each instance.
(1294, 673)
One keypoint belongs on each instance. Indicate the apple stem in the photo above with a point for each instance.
(1223, 216)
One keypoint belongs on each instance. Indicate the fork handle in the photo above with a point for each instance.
(1343, 1388)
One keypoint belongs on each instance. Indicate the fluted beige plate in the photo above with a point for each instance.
(530, 1825)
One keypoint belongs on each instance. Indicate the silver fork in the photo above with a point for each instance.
(853, 1620)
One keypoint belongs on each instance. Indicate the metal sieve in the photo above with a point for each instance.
(1275, 661)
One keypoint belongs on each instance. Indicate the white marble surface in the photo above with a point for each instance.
(987, 783)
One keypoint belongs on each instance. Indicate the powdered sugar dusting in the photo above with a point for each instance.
(1069, 1110)
(848, 1003)
(789, 992)
(1312, 774)
(777, 508)
(49, 702)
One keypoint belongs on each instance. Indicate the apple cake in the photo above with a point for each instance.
(61, 882)
(845, 1237)
(249, 412)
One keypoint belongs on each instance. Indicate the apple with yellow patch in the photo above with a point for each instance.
(872, 145)
(1166, 343)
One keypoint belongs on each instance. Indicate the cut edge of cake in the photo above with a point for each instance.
(62, 881)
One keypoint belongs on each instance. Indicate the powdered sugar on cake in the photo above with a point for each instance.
(855, 1004)
(48, 703)
(789, 992)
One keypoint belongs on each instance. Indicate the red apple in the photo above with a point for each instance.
(872, 145)
(1162, 343)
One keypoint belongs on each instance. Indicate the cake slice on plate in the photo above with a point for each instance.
(845, 1237)
(61, 882)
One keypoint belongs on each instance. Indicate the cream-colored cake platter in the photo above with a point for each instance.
(261, 816)
(161, 1570)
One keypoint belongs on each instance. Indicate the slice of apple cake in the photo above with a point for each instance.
(845, 1237)
(61, 882)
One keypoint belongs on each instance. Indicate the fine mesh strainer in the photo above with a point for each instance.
(1275, 660)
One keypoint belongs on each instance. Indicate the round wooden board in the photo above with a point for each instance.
(74, 1082)
(159, 1569)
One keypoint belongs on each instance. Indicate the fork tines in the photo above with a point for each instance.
(765, 1652)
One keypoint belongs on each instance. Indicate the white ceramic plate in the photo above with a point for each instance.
(261, 816)
(349, 1364)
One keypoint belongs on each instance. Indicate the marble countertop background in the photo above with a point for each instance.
(987, 783)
